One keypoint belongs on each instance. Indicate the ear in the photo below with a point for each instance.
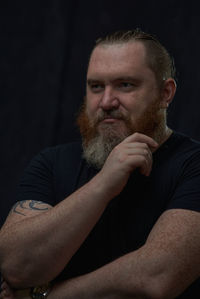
(167, 92)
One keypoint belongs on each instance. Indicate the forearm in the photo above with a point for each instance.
(54, 236)
(162, 268)
(121, 279)
(41, 246)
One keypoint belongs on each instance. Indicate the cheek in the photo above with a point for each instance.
(139, 103)
(134, 107)
(92, 105)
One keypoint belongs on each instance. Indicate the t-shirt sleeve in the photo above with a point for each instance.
(187, 191)
(37, 182)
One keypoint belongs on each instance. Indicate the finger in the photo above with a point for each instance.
(144, 163)
(5, 285)
(6, 290)
(134, 148)
(146, 168)
(139, 152)
(137, 155)
(3, 295)
(143, 147)
(138, 137)
(136, 145)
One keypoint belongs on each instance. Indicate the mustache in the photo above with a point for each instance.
(109, 114)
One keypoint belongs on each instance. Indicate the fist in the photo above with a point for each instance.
(133, 152)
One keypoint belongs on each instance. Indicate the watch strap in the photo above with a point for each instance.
(40, 292)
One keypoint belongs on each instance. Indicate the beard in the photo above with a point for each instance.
(99, 139)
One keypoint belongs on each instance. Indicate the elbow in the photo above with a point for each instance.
(22, 272)
(11, 276)
(150, 287)
(161, 288)
(156, 292)
(17, 276)
(22, 275)
(9, 267)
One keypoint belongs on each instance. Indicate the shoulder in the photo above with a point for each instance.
(186, 150)
(184, 172)
(51, 161)
(59, 154)
(179, 149)
(52, 169)
(63, 149)
(181, 154)
(182, 143)
(186, 142)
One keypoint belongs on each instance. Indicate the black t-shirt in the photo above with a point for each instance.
(174, 183)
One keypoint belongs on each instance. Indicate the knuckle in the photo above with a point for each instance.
(122, 158)
(136, 135)
(145, 146)
(114, 152)
(142, 159)
(117, 148)
(145, 152)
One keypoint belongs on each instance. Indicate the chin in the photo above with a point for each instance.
(113, 129)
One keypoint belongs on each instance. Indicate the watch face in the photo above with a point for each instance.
(40, 292)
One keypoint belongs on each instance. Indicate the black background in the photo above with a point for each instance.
(44, 50)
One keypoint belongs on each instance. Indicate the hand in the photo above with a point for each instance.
(133, 152)
(6, 291)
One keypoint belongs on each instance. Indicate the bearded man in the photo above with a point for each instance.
(117, 217)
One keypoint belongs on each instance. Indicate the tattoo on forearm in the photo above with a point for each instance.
(29, 205)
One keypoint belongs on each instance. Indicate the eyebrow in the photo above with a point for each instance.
(127, 78)
(92, 81)
(124, 78)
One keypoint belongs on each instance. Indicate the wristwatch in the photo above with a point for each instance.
(40, 292)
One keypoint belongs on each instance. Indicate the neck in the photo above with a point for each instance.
(162, 135)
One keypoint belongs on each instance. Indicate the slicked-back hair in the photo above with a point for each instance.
(158, 58)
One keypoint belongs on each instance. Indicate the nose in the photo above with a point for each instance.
(109, 99)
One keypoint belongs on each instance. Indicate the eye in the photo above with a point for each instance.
(96, 87)
(126, 86)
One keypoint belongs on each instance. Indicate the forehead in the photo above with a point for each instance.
(118, 59)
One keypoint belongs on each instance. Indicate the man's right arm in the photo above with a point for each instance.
(37, 241)
(35, 245)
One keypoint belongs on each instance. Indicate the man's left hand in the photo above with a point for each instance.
(6, 291)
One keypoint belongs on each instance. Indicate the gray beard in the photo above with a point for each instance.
(98, 149)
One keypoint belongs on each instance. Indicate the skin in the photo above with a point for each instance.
(118, 79)
(106, 86)
(169, 260)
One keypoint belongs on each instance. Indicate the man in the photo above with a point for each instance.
(122, 219)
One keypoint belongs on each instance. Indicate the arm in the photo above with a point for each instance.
(163, 268)
(42, 242)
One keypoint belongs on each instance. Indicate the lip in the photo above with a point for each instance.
(110, 120)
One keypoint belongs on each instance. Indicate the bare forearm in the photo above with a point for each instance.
(55, 236)
(162, 268)
(41, 246)
(117, 280)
